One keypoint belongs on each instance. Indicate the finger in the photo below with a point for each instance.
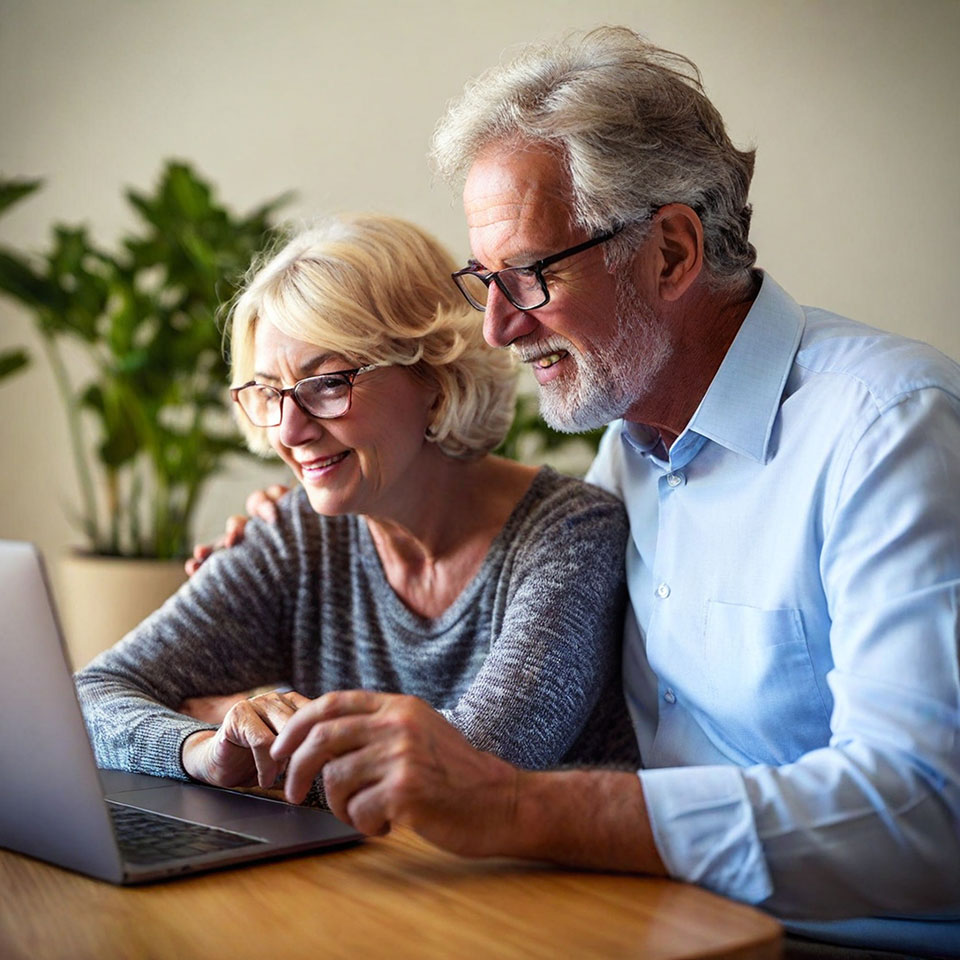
(244, 726)
(297, 699)
(331, 705)
(201, 551)
(323, 743)
(260, 505)
(275, 708)
(267, 768)
(366, 810)
(234, 530)
(277, 491)
(231, 765)
(359, 789)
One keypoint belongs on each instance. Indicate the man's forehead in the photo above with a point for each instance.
(510, 188)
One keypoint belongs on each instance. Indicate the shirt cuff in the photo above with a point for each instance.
(704, 830)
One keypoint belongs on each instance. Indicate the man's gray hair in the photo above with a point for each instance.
(634, 127)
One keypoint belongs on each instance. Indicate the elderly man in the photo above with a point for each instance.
(791, 657)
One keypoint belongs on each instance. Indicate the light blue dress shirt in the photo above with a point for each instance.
(791, 656)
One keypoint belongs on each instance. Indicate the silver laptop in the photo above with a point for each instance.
(121, 827)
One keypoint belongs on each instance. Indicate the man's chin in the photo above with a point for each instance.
(567, 419)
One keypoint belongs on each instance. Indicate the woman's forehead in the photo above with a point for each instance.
(273, 347)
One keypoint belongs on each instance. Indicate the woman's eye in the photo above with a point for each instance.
(328, 384)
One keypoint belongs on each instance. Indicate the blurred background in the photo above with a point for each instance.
(852, 105)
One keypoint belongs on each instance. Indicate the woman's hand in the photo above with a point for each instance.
(260, 503)
(238, 754)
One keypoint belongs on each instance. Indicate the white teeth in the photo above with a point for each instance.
(328, 461)
(548, 361)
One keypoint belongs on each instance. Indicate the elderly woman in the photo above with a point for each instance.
(408, 560)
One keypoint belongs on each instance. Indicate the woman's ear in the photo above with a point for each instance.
(680, 246)
(433, 409)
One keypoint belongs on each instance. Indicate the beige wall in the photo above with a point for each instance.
(852, 104)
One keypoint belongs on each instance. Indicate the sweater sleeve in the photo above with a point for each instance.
(558, 647)
(222, 632)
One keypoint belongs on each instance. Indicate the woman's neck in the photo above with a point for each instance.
(433, 546)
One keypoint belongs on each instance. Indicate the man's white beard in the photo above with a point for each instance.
(608, 381)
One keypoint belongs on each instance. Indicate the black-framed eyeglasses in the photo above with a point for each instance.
(325, 397)
(525, 287)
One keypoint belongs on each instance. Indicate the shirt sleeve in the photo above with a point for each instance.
(558, 648)
(870, 823)
(219, 634)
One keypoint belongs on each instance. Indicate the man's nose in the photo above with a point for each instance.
(297, 427)
(503, 322)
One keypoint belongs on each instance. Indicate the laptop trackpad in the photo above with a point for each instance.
(282, 823)
(188, 801)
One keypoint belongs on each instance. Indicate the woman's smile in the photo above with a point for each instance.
(320, 468)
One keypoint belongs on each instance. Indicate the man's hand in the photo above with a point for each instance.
(238, 754)
(392, 760)
(261, 504)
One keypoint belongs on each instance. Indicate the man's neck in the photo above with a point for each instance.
(706, 323)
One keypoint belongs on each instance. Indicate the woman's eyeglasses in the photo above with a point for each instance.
(325, 397)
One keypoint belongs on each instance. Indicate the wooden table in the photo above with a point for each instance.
(393, 897)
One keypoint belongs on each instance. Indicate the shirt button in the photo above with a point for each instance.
(674, 479)
(663, 591)
(670, 696)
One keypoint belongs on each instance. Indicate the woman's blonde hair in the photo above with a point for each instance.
(377, 289)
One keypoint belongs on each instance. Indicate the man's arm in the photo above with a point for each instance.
(390, 760)
(866, 822)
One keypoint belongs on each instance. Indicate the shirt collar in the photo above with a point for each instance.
(740, 406)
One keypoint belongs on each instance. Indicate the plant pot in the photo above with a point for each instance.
(102, 598)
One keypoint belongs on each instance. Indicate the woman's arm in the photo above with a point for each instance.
(222, 633)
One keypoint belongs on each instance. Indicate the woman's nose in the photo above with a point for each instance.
(296, 427)
(503, 322)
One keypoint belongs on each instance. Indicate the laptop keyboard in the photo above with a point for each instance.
(148, 838)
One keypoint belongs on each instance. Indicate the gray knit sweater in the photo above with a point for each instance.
(525, 663)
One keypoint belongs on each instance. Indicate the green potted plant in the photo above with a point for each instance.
(530, 440)
(148, 415)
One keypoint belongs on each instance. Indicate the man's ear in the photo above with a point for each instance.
(680, 240)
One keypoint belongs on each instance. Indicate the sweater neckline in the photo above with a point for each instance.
(491, 565)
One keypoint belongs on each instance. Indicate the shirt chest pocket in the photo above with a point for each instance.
(760, 693)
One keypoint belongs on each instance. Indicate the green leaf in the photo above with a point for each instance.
(13, 191)
(121, 441)
(11, 361)
(19, 280)
(186, 193)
